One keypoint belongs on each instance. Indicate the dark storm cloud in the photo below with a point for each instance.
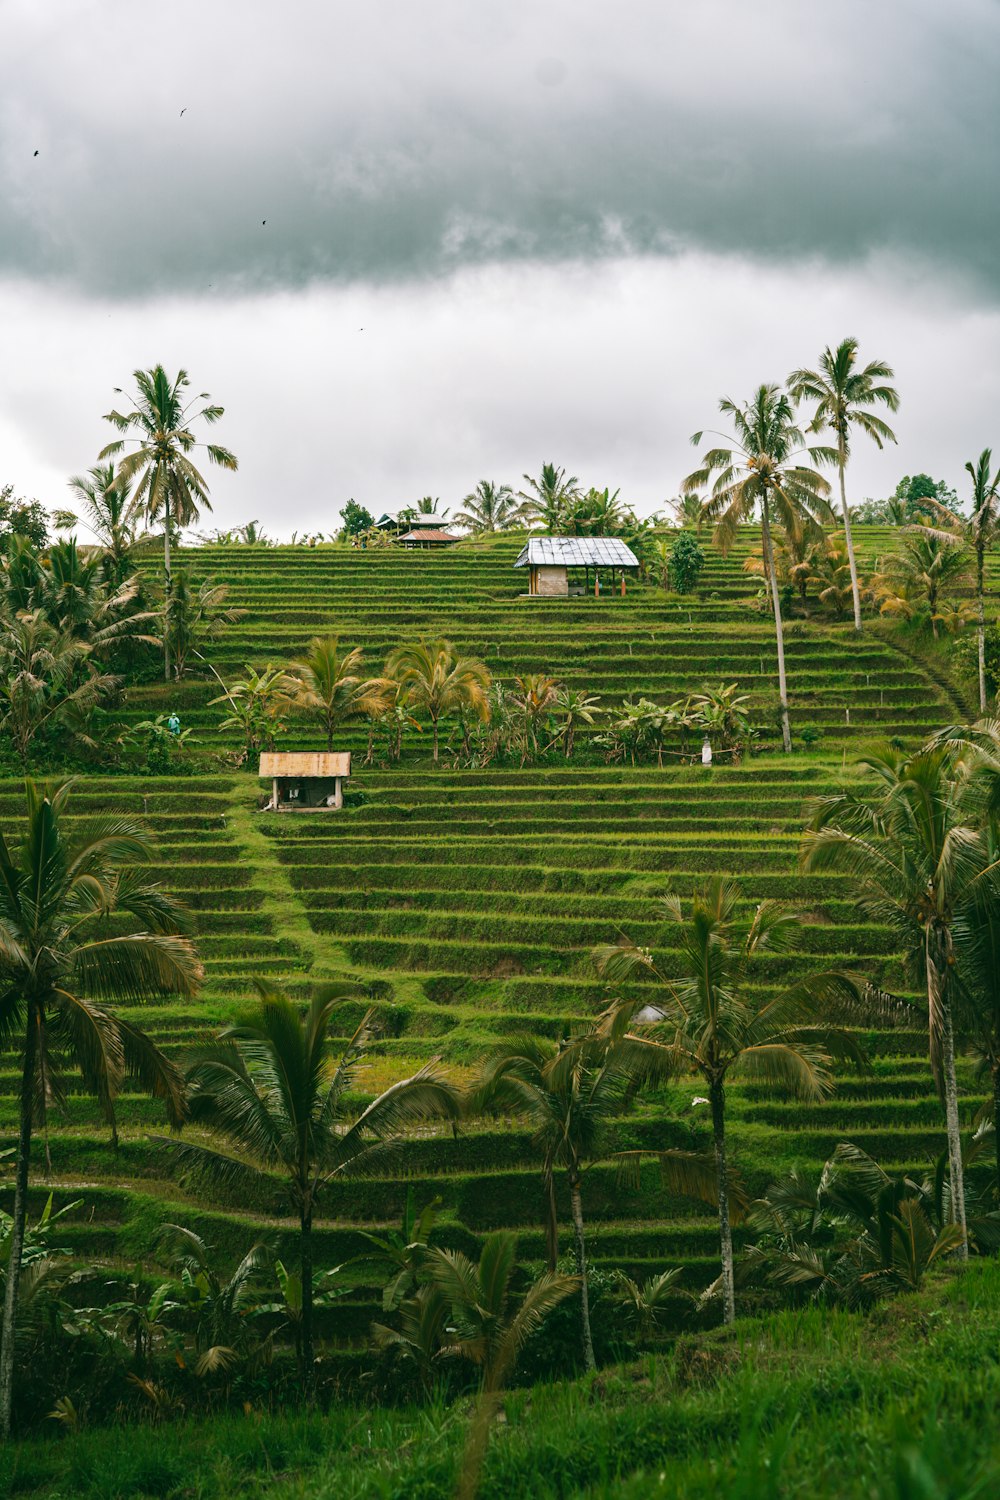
(387, 140)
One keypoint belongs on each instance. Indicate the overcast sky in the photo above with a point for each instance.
(498, 232)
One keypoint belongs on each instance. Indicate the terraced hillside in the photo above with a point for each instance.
(648, 643)
(465, 904)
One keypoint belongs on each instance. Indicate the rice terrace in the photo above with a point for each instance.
(499, 987)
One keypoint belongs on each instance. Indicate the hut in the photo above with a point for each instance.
(551, 560)
(305, 782)
(427, 531)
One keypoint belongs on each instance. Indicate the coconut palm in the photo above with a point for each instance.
(255, 703)
(489, 507)
(932, 561)
(548, 498)
(845, 398)
(982, 531)
(567, 1093)
(763, 467)
(434, 679)
(710, 1020)
(196, 616)
(687, 510)
(491, 1323)
(535, 697)
(46, 682)
(276, 1089)
(910, 838)
(168, 486)
(61, 963)
(574, 707)
(109, 513)
(331, 685)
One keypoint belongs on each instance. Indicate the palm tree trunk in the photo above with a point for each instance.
(166, 596)
(576, 1204)
(996, 1122)
(982, 628)
(717, 1099)
(855, 590)
(779, 633)
(939, 1005)
(551, 1222)
(306, 1273)
(17, 1226)
(434, 724)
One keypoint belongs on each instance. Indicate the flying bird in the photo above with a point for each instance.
(183, 112)
(263, 222)
(36, 153)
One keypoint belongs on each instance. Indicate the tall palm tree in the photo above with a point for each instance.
(168, 485)
(982, 531)
(845, 398)
(108, 512)
(491, 1325)
(548, 498)
(60, 963)
(709, 1019)
(912, 841)
(567, 1092)
(573, 707)
(763, 467)
(489, 507)
(331, 685)
(275, 1089)
(435, 679)
(535, 697)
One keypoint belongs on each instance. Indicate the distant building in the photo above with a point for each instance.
(427, 536)
(551, 560)
(302, 782)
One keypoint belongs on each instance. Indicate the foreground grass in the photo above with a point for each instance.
(900, 1402)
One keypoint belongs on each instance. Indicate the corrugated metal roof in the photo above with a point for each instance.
(305, 763)
(576, 552)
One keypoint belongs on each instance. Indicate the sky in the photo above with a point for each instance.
(409, 247)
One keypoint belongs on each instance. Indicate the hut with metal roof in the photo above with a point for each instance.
(551, 560)
(305, 782)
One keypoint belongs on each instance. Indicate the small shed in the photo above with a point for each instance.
(305, 782)
(551, 559)
(428, 536)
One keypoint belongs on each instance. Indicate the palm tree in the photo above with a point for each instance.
(195, 616)
(491, 1326)
(57, 956)
(982, 532)
(331, 686)
(273, 1087)
(931, 562)
(548, 498)
(169, 486)
(567, 1092)
(711, 1020)
(845, 397)
(913, 844)
(573, 707)
(255, 704)
(687, 510)
(762, 468)
(535, 697)
(46, 681)
(109, 513)
(489, 507)
(435, 679)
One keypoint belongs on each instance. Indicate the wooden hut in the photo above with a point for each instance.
(551, 560)
(305, 782)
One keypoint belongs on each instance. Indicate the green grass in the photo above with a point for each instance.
(900, 1402)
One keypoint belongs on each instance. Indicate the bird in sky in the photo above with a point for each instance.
(183, 112)
(263, 222)
(36, 153)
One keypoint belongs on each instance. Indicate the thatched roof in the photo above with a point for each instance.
(305, 763)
